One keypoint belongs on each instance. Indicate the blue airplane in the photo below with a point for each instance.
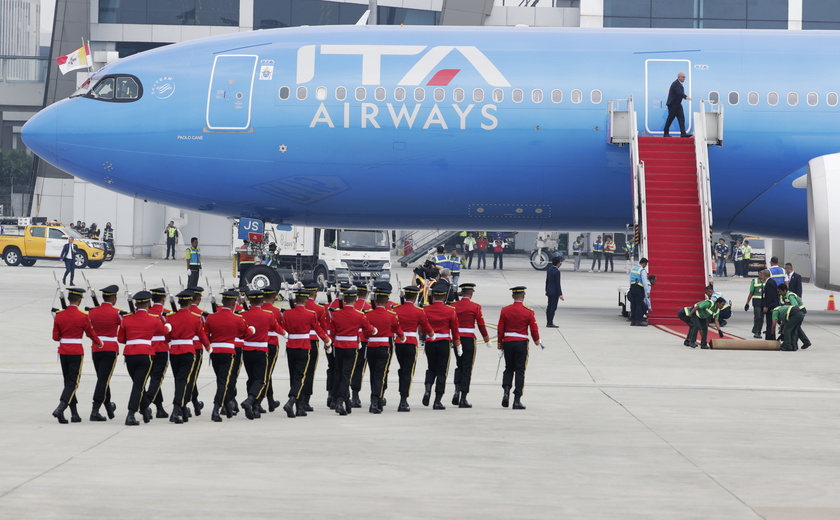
(445, 127)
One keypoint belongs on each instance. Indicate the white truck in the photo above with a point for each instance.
(327, 256)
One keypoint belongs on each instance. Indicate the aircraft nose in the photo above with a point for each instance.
(40, 132)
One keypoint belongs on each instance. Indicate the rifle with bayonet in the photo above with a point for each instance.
(171, 297)
(91, 291)
(60, 292)
(212, 295)
(143, 282)
(402, 292)
(128, 295)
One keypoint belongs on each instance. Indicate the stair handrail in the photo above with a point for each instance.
(704, 188)
(639, 191)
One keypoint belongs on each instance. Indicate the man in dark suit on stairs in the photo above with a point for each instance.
(674, 103)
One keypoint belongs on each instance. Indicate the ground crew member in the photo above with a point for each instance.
(697, 319)
(323, 320)
(469, 248)
(788, 297)
(469, 317)
(638, 293)
(255, 352)
(609, 254)
(136, 333)
(361, 304)
(300, 323)
(441, 260)
(184, 327)
(721, 251)
(269, 297)
(105, 320)
(223, 328)
(597, 251)
(387, 324)
(108, 234)
(515, 321)
(454, 267)
(412, 319)
(747, 256)
(777, 273)
(725, 312)
(68, 327)
(161, 357)
(577, 250)
(790, 316)
(193, 263)
(192, 392)
(347, 322)
(245, 260)
(444, 321)
(756, 290)
(738, 257)
(171, 234)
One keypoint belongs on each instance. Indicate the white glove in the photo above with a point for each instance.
(431, 338)
(328, 350)
(501, 353)
(459, 350)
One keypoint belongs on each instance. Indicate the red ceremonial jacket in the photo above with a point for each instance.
(106, 321)
(68, 327)
(412, 318)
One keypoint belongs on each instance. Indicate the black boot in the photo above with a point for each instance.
(95, 416)
(456, 397)
(517, 404)
(330, 402)
(110, 408)
(161, 413)
(257, 409)
(382, 403)
(403, 407)
(147, 414)
(348, 405)
(438, 405)
(248, 406)
(463, 403)
(356, 402)
(272, 404)
(289, 407)
(506, 397)
(216, 416)
(74, 414)
(176, 416)
(198, 405)
(428, 394)
(187, 412)
(374, 405)
(339, 407)
(233, 406)
(306, 406)
(58, 413)
(130, 420)
(229, 410)
(300, 407)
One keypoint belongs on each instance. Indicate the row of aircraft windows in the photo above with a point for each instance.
(753, 98)
(439, 94)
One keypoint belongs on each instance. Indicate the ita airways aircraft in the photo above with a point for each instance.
(453, 127)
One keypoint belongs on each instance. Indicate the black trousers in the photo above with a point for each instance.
(464, 365)
(309, 380)
(675, 111)
(345, 362)
(273, 354)
(182, 367)
(769, 333)
(359, 369)
(437, 354)
(550, 309)
(71, 369)
(758, 319)
(192, 393)
(469, 258)
(255, 364)
(407, 358)
(377, 359)
(696, 325)
(596, 258)
(636, 295)
(298, 361)
(516, 361)
(170, 247)
(498, 257)
(69, 268)
(237, 368)
(223, 366)
(104, 364)
(159, 363)
(139, 366)
(608, 262)
(331, 371)
(243, 269)
(192, 281)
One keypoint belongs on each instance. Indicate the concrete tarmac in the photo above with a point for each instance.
(621, 423)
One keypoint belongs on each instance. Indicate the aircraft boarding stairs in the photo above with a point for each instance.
(672, 206)
(420, 243)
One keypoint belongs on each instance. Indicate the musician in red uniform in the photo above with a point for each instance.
(105, 320)
(269, 297)
(412, 319)
(514, 322)
(379, 346)
(359, 368)
(444, 322)
(136, 333)
(323, 320)
(69, 325)
(347, 323)
(185, 326)
(301, 324)
(470, 317)
(255, 352)
(198, 349)
(332, 307)
(223, 328)
(161, 357)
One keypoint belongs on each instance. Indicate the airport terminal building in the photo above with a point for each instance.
(30, 79)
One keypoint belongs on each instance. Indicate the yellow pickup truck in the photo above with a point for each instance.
(23, 245)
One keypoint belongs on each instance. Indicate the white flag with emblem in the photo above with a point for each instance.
(78, 59)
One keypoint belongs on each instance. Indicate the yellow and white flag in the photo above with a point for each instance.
(78, 59)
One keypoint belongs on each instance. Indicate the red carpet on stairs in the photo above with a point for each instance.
(676, 240)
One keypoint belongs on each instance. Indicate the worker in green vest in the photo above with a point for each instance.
(790, 316)
(696, 317)
(171, 234)
(756, 288)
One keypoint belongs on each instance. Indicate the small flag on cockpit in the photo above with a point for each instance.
(78, 59)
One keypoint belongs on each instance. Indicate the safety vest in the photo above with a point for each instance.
(782, 312)
(598, 247)
(705, 309)
(455, 265)
(778, 274)
(747, 252)
(171, 232)
(636, 276)
(721, 250)
(609, 248)
(739, 253)
(790, 298)
(194, 256)
(442, 260)
(577, 247)
(757, 288)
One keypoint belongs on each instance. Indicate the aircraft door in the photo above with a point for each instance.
(230, 93)
(659, 74)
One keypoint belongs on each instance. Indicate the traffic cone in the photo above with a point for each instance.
(831, 306)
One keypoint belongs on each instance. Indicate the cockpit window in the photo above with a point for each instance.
(117, 88)
(83, 90)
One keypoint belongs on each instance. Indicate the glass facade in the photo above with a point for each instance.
(703, 14)
(269, 14)
(820, 14)
(170, 12)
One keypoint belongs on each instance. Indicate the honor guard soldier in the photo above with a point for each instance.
(347, 323)
(255, 352)
(412, 319)
(323, 320)
(515, 321)
(192, 392)
(301, 324)
(105, 320)
(387, 325)
(336, 304)
(136, 333)
(386, 287)
(161, 357)
(469, 317)
(269, 296)
(223, 328)
(69, 325)
(361, 305)
(185, 326)
(444, 323)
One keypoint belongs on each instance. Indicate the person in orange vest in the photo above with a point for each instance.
(609, 254)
